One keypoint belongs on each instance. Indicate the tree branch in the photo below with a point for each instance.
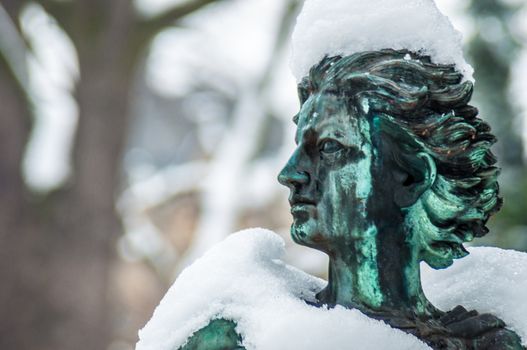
(154, 25)
(291, 10)
(61, 11)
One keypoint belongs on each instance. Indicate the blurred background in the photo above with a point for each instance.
(136, 134)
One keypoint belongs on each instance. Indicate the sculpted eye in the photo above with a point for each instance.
(330, 146)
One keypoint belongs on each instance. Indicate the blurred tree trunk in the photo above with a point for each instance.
(56, 252)
(14, 243)
(59, 250)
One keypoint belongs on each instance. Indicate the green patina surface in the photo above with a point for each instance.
(219, 334)
(392, 167)
(368, 282)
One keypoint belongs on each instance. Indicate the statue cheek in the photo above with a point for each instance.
(338, 214)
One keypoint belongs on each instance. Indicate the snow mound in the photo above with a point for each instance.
(489, 280)
(242, 279)
(344, 27)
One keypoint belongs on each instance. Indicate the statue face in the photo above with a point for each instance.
(329, 174)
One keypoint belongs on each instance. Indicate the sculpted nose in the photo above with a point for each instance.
(291, 176)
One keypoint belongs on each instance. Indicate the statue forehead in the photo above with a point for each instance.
(326, 114)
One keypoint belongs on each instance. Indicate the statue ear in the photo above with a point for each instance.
(414, 179)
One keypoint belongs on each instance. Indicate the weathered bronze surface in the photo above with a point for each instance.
(392, 167)
(219, 334)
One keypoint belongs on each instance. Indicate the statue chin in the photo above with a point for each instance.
(305, 232)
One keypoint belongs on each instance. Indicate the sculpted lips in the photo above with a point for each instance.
(297, 200)
(301, 205)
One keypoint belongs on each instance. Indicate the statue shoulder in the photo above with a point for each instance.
(219, 334)
(481, 331)
(499, 338)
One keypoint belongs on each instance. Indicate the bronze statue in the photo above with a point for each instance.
(392, 167)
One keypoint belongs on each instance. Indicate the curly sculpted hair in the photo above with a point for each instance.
(425, 107)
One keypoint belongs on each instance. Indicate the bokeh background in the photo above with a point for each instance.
(136, 134)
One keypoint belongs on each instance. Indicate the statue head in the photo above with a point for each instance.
(390, 156)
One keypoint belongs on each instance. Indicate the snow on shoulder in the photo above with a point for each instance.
(344, 27)
(243, 279)
(489, 280)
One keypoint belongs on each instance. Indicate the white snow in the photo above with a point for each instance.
(53, 71)
(489, 280)
(344, 27)
(243, 279)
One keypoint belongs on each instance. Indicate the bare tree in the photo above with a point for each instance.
(55, 252)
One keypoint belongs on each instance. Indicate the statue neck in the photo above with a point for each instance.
(376, 274)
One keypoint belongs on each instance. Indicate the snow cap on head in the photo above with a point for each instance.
(344, 27)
